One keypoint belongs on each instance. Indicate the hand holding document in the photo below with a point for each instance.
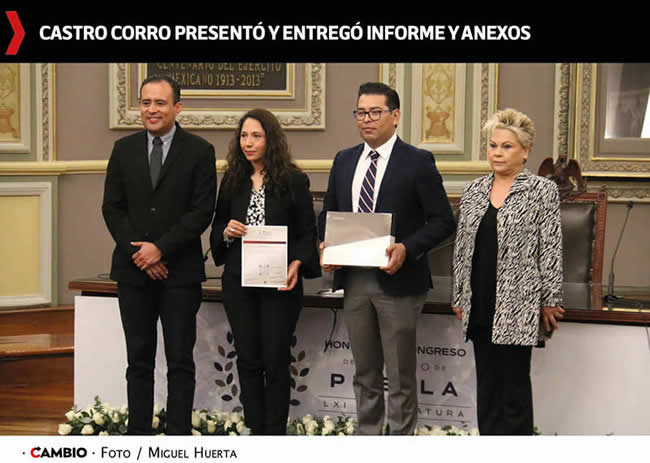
(357, 239)
(264, 256)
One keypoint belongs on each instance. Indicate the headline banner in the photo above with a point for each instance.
(58, 36)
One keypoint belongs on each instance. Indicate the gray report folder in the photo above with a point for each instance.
(357, 239)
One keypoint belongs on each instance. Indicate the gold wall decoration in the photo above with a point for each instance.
(438, 107)
(439, 101)
(15, 102)
(9, 102)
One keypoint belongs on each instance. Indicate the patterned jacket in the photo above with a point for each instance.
(529, 255)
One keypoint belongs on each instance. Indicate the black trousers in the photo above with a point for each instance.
(504, 392)
(263, 321)
(140, 308)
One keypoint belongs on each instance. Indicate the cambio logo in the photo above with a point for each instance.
(63, 452)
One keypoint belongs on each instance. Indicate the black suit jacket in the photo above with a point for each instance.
(412, 191)
(172, 215)
(293, 207)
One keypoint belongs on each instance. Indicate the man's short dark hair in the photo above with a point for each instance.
(379, 88)
(176, 90)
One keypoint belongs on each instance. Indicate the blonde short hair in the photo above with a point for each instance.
(515, 121)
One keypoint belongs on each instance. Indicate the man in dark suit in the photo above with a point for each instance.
(159, 197)
(384, 174)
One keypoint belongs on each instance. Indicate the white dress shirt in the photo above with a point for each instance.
(362, 167)
(166, 143)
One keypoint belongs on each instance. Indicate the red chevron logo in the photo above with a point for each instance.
(19, 33)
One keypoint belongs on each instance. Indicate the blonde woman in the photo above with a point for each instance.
(507, 273)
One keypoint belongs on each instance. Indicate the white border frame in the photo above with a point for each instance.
(44, 191)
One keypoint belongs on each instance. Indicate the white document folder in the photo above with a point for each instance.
(357, 239)
(264, 256)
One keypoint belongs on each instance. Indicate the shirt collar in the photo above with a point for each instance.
(383, 150)
(165, 138)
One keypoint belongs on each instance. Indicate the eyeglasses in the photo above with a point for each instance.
(374, 114)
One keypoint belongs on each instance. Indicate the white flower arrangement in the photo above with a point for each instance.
(447, 430)
(196, 420)
(325, 426)
(98, 419)
(103, 420)
(212, 426)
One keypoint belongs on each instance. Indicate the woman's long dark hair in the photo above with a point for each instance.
(278, 164)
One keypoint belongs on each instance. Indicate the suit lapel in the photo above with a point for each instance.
(522, 182)
(174, 153)
(241, 201)
(389, 173)
(142, 160)
(348, 177)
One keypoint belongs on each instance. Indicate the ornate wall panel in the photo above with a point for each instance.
(623, 164)
(29, 276)
(445, 106)
(15, 106)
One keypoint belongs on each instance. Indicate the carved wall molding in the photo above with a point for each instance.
(489, 98)
(46, 111)
(564, 109)
(393, 75)
(620, 192)
(310, 117)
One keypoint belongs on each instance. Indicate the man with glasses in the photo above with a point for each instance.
(384, 174)
(159, 197)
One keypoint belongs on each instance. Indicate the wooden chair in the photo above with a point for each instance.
(583, 239)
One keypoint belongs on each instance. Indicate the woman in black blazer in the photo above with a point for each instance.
(262, 186)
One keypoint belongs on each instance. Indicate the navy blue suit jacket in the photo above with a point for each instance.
(412, 191)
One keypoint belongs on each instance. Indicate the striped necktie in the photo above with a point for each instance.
(366, 197)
